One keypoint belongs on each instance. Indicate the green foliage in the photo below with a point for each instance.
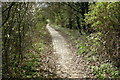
(105, 70)
(38, 46)
(81, 48)
(23, 39)
(30, 66)
(16, 35)
(103, 15)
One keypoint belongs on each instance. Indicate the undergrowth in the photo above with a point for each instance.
(89, 47)
(34, 63)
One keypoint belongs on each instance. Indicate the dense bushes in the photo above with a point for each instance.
(104, 18)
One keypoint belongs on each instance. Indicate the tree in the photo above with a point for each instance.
(18, 19)
(104, 18)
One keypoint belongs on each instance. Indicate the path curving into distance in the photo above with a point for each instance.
(65, 67)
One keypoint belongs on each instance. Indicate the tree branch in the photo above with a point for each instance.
(8, 13)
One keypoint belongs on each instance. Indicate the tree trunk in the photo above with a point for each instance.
(70, 23)
(78, 24)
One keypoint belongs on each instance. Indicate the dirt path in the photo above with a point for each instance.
(65, 66)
